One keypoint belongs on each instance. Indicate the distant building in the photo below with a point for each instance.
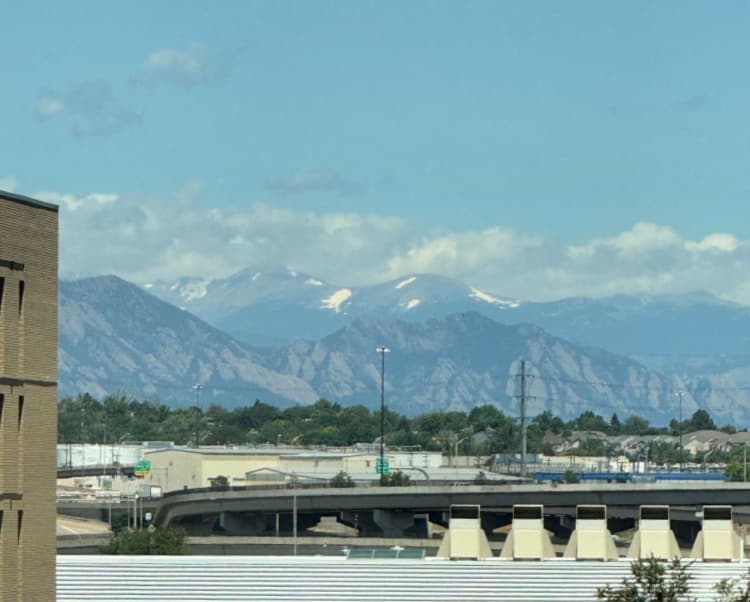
(28, 397)
(186, 467)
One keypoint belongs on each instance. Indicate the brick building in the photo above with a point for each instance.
(28, 398)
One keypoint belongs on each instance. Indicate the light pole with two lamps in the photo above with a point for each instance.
(382, 350)
(197, 388)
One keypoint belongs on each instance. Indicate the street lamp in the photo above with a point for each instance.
(679, 427)
(197, 388)
(382, 350)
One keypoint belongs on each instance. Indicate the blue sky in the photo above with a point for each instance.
(508, 133)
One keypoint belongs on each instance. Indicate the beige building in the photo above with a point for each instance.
(184, 467)
(28, 398)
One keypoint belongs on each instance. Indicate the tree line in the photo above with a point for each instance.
(483, 430)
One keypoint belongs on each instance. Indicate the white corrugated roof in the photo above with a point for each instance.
(335, 579)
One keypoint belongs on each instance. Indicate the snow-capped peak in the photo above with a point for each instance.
(406, 282)
(194, 290)
(336, 300)
(487, 298)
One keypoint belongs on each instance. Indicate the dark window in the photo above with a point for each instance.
(20, 411)
(464, 511)
(20, 524)
(654, 512)
(717, 513)
(21, 289)
(2, 402)
(591, 512)
(1, 524)
(2, 288)
(527, 512)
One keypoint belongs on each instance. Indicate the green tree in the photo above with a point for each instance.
(635, 425)
(165, 540)
(485, 417)
(341, 480)
(547, 421)
(735, 471)
(733, 590)
(651, 581)
(396, 479)
(588, 421)
(701, 420)
(614, 425)
(221, 482)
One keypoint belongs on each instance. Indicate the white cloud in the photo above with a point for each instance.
(47, 106)
(303, 182)
(8, 184)
(73, 203)
(91, 107)
(146, 239)
(197, 65)
(725, 243)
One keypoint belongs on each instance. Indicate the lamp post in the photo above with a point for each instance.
(679, 427)
(197, 388)
(382, 350)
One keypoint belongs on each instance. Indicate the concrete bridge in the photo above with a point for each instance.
(400, 511)
(95, 470)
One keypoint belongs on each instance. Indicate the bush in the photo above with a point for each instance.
(733, 590)
(341, 480)
(168, 541)
(652, 581)
(221, 482)
(395, 479)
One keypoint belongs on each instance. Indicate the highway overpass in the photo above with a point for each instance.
(95, 470)
(396, 511)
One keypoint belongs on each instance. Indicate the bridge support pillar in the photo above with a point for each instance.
(493, 520)
(361, 521)
(393, 523)
(243, 523)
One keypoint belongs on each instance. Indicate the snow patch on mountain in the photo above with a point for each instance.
(188, 291)
(337, 299)
(413, 303)
(487, 298)
(256, 276)
(313, 282)
(406, 282)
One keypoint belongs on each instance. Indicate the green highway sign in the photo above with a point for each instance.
(142, 468)
(383, 468)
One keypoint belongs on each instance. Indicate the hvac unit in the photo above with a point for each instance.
(465, 538)
(718, 539)
(527, 539)
(591, 540)
(654, 536)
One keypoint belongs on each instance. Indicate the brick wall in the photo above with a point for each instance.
(28, 379)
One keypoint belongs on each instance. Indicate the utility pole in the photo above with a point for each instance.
(523, 399)
(197, 388)
(679, 427)
(382, 350)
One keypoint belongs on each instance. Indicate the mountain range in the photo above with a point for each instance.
(287, 337)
